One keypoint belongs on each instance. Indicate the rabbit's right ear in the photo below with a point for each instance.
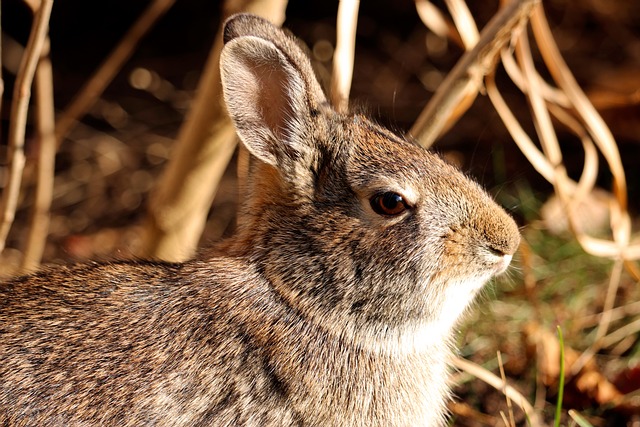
(269, 89)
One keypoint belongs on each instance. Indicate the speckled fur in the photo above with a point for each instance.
(318, 312)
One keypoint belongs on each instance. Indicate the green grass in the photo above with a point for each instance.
(558, 416)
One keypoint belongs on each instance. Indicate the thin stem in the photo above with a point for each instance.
(19, 110)
(465, 79)
(497, 383)
(343, 56)
(434, 20)
(179, 204)
(45, 121)
(605, 320)
(593, 121)
(556, 420)
(464, 22)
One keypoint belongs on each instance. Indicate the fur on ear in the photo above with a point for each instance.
(269, 88)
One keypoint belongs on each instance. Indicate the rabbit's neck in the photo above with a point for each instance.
(385, 381)
(334, 375)
(340, 380)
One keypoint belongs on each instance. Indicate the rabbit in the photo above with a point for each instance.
(333, 304)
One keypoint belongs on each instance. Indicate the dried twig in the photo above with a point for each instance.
(464, 22)
(343, 56)
(550, 93)
(601, 135)
(462, 409)
(539, 162)
(468, 73)
(605, 320)
(34, 5)
(617, 313)
(619, 334)
(45, 119)
(433, 19)
(541, 116)
(497, 383)
(512, 421)
(181, 200)
(92, 90)
(19, 109)
(591, 130)
(592, 120)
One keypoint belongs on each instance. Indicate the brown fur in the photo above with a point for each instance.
(318, 312)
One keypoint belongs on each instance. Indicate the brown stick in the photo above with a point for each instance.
(592, 120)
(343, 56)
(179, 204)
(468, 73)
(45, 122)
(19, 109)
(434, 20)
(497, 383)
(464, 22)
(90, 92)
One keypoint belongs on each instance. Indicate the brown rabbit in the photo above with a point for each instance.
(333, 305)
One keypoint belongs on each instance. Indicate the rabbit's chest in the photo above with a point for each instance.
(357, 391)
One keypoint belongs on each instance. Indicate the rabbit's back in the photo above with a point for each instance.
(133, 344)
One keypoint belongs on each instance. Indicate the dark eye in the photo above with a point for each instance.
(388, 204)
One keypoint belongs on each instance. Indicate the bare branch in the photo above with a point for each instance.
(466, 77)
(19, 110)
(45, 122)
(343, 56)
(180, 203)
(497, 383)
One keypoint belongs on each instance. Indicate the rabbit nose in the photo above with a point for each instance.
(499, 256)
(506, 246)
(501, 234)
(502, 263)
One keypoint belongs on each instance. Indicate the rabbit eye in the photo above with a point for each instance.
(388, 204)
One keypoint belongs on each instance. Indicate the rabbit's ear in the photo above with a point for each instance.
(269, 89)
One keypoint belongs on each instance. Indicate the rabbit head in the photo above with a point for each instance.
(365, 233)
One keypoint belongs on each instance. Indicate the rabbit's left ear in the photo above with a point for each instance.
(269, 88)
